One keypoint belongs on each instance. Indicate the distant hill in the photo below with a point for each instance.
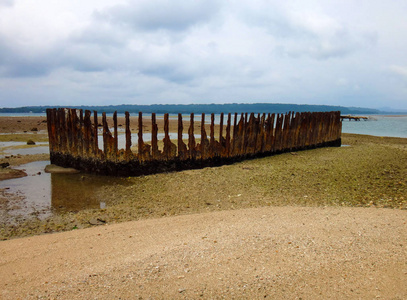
(205, 108)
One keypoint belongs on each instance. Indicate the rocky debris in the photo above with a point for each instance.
(97, 221)
(59, 170)
(6, 173)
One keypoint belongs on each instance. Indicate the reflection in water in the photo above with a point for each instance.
(43, 194)
(74, 192)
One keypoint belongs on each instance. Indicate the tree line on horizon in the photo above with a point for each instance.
(203, 108)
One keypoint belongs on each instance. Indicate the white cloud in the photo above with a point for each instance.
(399, 70)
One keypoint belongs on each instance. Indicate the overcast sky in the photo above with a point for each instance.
(102, 52)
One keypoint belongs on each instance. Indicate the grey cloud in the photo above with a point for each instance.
(339, 44)
(16, 63)
(100, 34)
(169, 73)
(296, 38)
(26, 68)
(7, 3)
(155, 15)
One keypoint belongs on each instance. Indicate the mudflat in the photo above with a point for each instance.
(323, 223)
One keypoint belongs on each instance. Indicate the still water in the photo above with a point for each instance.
(42, 194)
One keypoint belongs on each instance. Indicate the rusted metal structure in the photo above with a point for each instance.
(78, 140)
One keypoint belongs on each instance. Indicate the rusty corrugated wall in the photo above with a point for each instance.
(74, 140)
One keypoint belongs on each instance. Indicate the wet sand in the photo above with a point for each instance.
(324, 223)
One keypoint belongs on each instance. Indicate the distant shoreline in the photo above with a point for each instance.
(210, 108)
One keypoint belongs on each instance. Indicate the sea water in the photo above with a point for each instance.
(378, 125)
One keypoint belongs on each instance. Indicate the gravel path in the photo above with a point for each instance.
(273, 252)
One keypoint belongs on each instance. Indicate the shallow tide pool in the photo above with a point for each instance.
(43, 194)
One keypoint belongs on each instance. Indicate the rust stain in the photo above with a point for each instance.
(73, 140)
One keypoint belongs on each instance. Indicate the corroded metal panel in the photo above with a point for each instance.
(73, 140)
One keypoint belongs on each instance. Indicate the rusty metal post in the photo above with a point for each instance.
(233, 146)
(166, 137)
(115, 141)
(227, 144)
(96, 135)
(250, 135)
(143, 149)
(203, 136)
(154, 139)
(87, 133)
(140, 136)
(64, 130)
(256, 134)
(182, 148)
(50, 126)
(272, 131)
(105, 136)
(80, 134)
(240, 136)
(277, 134)
(70, 141)
(212, 150)
(191, 138)
(244, 143)
(74, 122)
(260, 139)
(221, 128)
(268, 134)
(170, 150)
(128, 136)
(180, 130)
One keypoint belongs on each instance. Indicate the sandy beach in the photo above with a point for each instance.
(328, 223)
